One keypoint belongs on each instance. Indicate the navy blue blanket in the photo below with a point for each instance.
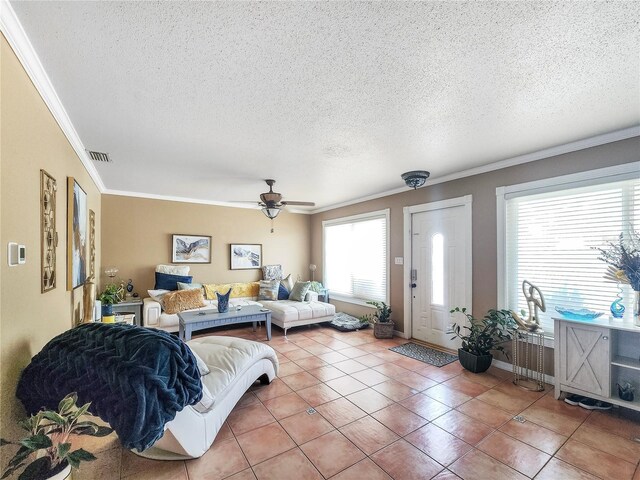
(136, 378)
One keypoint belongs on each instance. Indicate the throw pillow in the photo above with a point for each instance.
(167, 281)
(202, 367)
(288, 282)
(189, 286)
(272, 272)
(283, 293)
(299, 291)
(158, 295)
(182, 300)
(238, 290)
(173, 269)
(268, 290)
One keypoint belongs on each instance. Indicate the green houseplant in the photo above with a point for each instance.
(381, 320)
(48, 442)
(482, 337)
(108, 298)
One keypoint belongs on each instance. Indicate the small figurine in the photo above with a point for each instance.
(130, 286)
(533, 322)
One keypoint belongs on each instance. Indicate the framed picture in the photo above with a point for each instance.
(76, 234)
(245, 256)
(191, 249)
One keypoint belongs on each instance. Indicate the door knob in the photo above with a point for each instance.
(413, 285)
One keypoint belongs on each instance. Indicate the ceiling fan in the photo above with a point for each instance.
(272, 203)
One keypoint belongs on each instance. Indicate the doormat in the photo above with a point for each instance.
(346, 323)
(425, 354)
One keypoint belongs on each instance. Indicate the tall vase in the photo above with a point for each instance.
(88, 301)
(223, 301)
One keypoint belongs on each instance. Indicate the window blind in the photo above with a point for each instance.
(356, 258)
(549, 239)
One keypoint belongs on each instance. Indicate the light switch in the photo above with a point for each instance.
(399, 261)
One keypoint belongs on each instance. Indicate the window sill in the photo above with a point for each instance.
(352, 300)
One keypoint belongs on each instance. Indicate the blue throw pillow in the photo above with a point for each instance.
(166, 281)
(283, 293)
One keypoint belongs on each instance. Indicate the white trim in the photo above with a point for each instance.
(466, 202)
(398, 333)
(614, 173)
(549, 379)
(603, 139)
(21, 45)
(352, 218)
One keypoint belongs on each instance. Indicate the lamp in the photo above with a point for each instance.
(271, 212)
(415, 178)
(313, 268)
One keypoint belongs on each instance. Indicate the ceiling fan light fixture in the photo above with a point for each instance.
(415, 178)
(271, 212)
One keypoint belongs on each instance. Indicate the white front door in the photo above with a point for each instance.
(439, 253)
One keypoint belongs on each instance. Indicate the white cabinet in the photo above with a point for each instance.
(585, 363)
(592, 357)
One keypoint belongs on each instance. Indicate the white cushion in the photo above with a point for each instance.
(173, 269)
(227, 358)
(202, 367)
(289, 311)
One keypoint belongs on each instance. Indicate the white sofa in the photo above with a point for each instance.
(284, 313)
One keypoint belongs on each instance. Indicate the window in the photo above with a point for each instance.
(549, 234)
(437, 269)
(356, 257)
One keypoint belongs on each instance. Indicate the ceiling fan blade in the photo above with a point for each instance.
(302, 204)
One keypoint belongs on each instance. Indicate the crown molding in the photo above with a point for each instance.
(595, 141)
(12, 29)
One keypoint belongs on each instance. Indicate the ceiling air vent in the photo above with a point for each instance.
(99, 156)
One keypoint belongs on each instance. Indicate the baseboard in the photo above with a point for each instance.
(509, 367)
(398, 333)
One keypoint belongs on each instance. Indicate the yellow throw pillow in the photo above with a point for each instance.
(238, 290)
(181, 300)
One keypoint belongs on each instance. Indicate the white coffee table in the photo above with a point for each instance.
(193, 321)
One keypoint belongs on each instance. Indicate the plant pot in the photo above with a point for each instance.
(474, 363)
(107, 309)
(383, 330)
(62, 475)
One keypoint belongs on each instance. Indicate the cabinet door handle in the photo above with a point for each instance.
(605, 338)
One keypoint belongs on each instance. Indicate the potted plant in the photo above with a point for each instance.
(483, 336)
(108, 298)
(48, 442)
(381, 320)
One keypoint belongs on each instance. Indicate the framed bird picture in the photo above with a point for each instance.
(191, 249)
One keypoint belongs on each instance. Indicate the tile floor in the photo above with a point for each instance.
(380, 415)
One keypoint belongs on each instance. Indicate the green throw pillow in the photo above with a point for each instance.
(188, 286)
(299, 291)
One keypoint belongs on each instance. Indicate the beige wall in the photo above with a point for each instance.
(30, 140)
(483, 189)
(136, 236)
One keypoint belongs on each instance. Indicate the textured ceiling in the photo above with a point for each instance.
(333, 100)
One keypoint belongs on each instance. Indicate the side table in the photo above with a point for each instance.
(323, 295)
(528, 359)
(132, 305)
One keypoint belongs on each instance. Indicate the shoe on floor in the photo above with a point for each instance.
(591, 404)
(574, 399)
